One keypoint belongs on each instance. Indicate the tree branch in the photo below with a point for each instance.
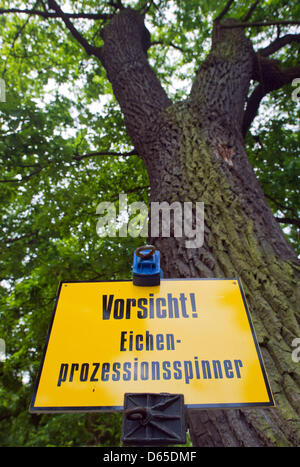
(288, 220)
(22, 179)
(278, 44)
(48, 14)
(79, 157)
(132, 190)
(90, 50)
(144, 9)
(168, 44)
(28, 235)
(250, 12)
(281, 206)
(226, 99)
(116, 4)
(252, 108)
(135, 85)
(259, 23)
(224, 11)
(13, 180)
(271, 77)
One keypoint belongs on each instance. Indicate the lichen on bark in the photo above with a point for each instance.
(235, 245)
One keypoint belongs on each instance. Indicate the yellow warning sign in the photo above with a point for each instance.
(187, 336)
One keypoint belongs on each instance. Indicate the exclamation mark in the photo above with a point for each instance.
(193, 303)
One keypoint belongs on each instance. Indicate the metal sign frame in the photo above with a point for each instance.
(34, 408)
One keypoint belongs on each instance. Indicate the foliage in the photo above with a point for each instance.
(60, 107)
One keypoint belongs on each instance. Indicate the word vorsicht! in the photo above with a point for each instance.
(149, 307)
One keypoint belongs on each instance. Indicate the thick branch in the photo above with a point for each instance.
(135, 85)
(48, 14)
(271, 77)
(260, 23)
(288, 220)
(222, 82)
(278, 44)
(252, 107)
(90, 50)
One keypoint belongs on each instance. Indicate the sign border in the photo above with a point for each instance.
(113, 408)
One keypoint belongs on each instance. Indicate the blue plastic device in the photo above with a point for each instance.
(146, 266)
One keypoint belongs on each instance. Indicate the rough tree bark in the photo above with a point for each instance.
(194, 151)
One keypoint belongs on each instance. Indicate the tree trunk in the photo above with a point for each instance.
(194, 151)
(241, 240)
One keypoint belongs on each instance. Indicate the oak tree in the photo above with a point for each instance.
(205, 144)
